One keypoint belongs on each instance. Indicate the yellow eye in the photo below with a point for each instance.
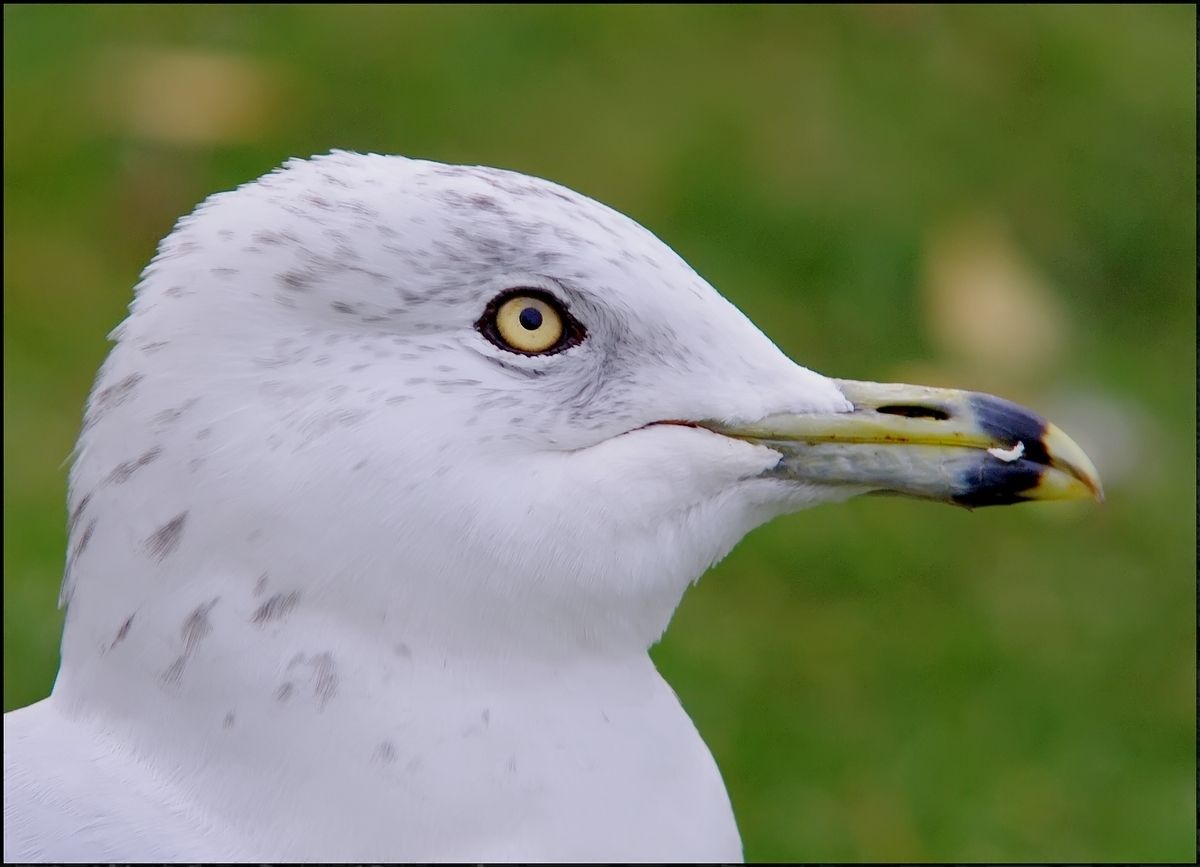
(529, 324)
(530, 321)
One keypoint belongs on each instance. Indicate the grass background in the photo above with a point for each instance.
(1000, 198)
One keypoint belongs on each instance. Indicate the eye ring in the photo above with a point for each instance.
(531, 322)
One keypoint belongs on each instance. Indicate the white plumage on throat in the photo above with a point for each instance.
(352, 582)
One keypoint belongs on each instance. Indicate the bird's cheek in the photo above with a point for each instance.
(661, 469)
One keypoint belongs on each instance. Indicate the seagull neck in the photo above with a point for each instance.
(336, 689)
(238, 641)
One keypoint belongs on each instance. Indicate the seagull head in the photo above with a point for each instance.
(471, 408)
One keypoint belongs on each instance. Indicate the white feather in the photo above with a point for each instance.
(348, 582)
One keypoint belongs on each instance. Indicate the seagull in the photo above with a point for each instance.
(393, 475)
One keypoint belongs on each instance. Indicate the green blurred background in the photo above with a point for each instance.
(1000, 198)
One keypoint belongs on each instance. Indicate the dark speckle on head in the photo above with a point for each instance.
(165, 539)
(110, 397)
(77, 549)
(276, 607)
(171, 415)
(273, 239)
(197, 627)
(385, 752)
(325, 678)
(122, 632)
(320, 425)
(194, 630)
(229, 720)
(124, 471)
(297, 281)
(284, 692)
(323, 675)
(82, 544)
(77, 512)
(174, 672)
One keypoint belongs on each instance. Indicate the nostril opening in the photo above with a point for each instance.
(914, 411)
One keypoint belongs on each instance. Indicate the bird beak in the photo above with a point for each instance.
(939, 444)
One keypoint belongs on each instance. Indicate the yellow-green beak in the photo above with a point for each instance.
(937, 444)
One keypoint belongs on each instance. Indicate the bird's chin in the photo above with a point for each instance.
(772, 497)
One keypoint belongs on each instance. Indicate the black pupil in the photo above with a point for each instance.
(531, 319)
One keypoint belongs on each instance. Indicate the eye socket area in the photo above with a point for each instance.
(530, 321)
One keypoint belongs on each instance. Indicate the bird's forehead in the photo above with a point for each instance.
(527, 208)
(451, 230)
